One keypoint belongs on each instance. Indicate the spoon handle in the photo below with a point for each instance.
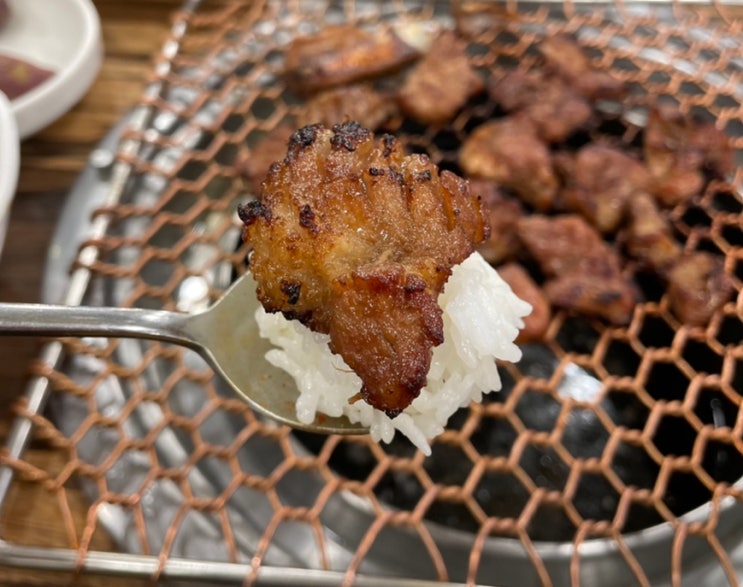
(50, 320)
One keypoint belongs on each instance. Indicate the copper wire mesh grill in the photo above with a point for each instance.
(542, 485)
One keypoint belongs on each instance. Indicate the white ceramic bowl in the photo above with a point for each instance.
(9, 163)
(61, 35)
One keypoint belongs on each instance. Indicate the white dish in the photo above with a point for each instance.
(61, 35)
(9, 163)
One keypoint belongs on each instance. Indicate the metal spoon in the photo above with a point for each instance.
(225, 334)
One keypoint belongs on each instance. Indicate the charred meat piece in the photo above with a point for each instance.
(536, 323)
(268, 150)
(600, 182)
(566, 58)
(440, 83)
(554, 107)
(697, 287)
(649, 236)
(343, 54)
(584, 271)
(678, 150)
(356, 240)
(18, 77)
(509, 152)
(502, 214)
(359, 102)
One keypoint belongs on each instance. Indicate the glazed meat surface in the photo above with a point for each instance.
(441, 83)
(583, 271)
(343, 54)
(359, 102)
(600, 180)
(356, 240)
(678, 149)
(555, 109)
(503, 214)
(509, 152)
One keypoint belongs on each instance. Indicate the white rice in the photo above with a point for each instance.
(482, 317)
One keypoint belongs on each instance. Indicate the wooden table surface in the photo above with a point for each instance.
(133, 32)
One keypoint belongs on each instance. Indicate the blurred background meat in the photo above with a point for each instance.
(610, 296)
(649, 235)
(359, 102)
(697, 287)
(440, 83)
(564, 56)
(509, 152)
(502, 213)
(343, 54)
(678, 150)
(555, 109)
(599, 182)
(566, 243)
(561, 190)
(536, 323)
(268, 150)
(584, 273)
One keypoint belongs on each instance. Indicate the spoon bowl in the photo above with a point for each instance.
(225, 335)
